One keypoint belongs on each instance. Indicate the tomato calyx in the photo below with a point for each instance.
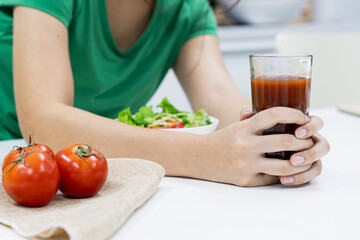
(30, 143)
(85, 152)
(20, 159)
(17, 148)
(21, 148)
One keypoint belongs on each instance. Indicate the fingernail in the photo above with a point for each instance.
(301, 132)
(297, 160)
(287, 180)
(307, 119)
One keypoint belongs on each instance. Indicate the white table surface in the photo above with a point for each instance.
(327, 208)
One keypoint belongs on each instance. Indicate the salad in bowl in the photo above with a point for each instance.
(170, 119)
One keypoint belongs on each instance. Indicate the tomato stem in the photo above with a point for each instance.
(82, 152)
(16, 161)
(21, 148)
(17, 148)
(21, 158)
(30, 143)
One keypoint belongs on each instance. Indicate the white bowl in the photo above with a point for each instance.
(265, 11)
(197, 130)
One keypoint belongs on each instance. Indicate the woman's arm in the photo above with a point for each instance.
(202, 74)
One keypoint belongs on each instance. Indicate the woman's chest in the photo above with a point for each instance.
(128, 20)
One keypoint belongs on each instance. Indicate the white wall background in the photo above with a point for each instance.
(332, 10)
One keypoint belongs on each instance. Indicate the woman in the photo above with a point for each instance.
(77, 63)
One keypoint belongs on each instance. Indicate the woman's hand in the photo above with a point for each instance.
(310, 156)
(238, 151)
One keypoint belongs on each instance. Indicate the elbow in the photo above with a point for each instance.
(38, 124)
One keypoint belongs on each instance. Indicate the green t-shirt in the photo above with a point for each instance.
(106, 79)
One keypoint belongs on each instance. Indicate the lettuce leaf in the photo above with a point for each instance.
(167, 107)
(125, 116)
(145, 115)
(195, 119)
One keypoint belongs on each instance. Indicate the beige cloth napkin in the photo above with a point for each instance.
(350, 108)
(130, 183)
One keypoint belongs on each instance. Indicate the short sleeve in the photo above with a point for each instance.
(60, 9)
(204, 21)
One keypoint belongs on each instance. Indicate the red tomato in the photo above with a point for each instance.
(15, 154)
(177, 125)
(11, 156)
(32, 180)
(83, 170)
(172, 125)
(41, 147)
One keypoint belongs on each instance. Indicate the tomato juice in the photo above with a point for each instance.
(280, 90)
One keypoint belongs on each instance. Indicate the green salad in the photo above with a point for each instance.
(170, 117)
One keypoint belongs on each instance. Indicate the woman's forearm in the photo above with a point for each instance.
(64, 125)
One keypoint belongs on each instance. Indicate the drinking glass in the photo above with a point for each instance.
(281, 80)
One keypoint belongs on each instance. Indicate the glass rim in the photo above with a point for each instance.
(281, 56)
